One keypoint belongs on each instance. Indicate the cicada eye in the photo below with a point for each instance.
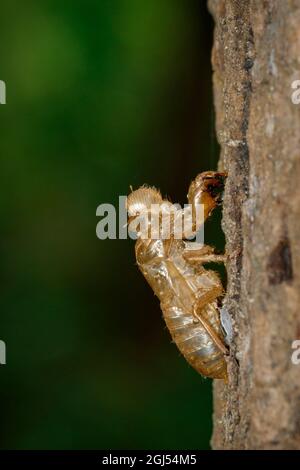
(214, 190)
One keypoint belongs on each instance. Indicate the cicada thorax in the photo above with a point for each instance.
(179, 286)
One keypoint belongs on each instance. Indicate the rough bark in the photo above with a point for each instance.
(256, 57)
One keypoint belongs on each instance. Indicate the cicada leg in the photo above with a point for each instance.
(214, 336)
(205, 254)
(200, 303)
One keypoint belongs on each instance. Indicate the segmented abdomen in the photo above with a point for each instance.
(179, 288)
(194, 342)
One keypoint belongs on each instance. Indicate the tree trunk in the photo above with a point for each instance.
(256, 58)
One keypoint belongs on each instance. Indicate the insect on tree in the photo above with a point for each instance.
(189, 294)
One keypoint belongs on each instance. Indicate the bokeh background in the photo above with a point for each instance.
(100, 95)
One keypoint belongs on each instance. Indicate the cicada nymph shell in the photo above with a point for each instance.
(189, 294)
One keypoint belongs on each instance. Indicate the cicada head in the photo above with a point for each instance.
(211, 182)
(207, 188)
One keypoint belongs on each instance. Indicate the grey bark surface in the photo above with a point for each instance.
(256, 57)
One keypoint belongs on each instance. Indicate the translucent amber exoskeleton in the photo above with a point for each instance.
(189, 294)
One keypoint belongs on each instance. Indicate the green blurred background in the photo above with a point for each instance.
(100, 95)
